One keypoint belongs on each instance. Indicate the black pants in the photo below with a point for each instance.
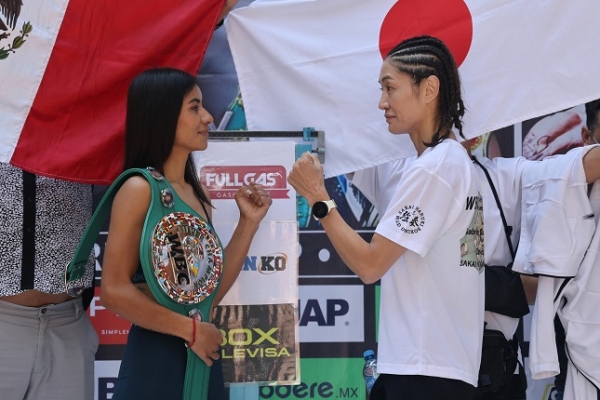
(418, 387)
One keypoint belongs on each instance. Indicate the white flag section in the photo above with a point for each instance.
(270, 272)
(32, 39)
(316, 64)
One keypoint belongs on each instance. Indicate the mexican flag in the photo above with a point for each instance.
(65, 67)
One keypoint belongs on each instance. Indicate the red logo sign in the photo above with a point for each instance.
(223, 182)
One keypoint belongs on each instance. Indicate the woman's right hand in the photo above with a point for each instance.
(207, 342)
(306, 176)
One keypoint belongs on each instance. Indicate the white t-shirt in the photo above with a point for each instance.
(379, 183)
(558, 223)
(432, 298)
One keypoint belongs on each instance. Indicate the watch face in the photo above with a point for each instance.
(320, 209)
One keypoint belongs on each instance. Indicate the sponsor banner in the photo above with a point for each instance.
(224, 181)
(224, 167)
(270, 271)
(259, 343)
(105, 376)
(99, 252)
(111, 328)
(323, 378)
(332, 313)
(539, 389)
(319, 257)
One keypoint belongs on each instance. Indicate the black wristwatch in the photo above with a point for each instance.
(321, 209)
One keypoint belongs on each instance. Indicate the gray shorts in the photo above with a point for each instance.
(47, 352)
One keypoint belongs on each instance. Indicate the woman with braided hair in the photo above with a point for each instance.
(428, 247)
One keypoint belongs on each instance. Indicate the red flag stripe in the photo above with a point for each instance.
(74, 130)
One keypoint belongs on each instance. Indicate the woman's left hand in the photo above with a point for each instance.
(253, 202)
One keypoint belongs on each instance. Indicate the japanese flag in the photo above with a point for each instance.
(315, 63)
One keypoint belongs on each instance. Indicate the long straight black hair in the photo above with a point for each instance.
(153, 106)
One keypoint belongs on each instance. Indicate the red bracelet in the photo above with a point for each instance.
(193, 334)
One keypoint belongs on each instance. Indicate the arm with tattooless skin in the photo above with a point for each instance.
(165, 123)
(427, 247)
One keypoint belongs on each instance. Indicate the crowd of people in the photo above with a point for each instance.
(446, 217)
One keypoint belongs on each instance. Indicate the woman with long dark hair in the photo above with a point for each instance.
(165, 123)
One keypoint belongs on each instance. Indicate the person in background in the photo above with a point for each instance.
(505, 174)
(590, 134)
(165, 123)
(47, 342)
(428, 247)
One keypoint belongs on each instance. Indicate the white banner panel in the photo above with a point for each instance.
(270, 272)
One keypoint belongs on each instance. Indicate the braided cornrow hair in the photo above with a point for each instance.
(423, 56)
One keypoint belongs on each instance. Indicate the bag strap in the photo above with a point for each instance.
(75, 270)
(507, 229)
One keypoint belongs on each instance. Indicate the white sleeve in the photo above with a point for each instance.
(423, 208)
(557, 221)
(509, 172)
(543, 355)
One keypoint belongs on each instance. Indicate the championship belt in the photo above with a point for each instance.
(181, 256)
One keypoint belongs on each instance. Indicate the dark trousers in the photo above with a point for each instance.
(514, 389)
(153, 367)
(418, 387)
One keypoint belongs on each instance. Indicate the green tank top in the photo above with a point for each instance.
(181, 256)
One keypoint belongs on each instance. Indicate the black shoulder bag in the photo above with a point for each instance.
(504, 292)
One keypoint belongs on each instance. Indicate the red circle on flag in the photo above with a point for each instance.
(448, 20)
